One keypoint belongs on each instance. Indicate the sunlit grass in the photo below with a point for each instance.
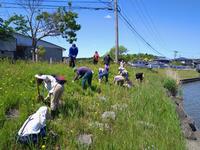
(149, 121)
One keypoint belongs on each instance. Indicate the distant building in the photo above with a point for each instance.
(162, 60)
(184, 61)
(20, 47)
(8, 48)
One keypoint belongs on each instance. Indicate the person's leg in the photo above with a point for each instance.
(100, 77)
(74, 61)
(106, 76)
(84, 81)
(55, 97)
(90, 79)
(43, 132)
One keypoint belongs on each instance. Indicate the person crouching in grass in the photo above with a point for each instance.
(34, 127)
(86, 74)
(55, 91)
(103, 72)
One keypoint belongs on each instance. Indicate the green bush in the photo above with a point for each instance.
(171, 86)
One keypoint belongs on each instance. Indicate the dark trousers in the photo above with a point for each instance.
(104, 74)
(87, 78)
(95, 61)
(72, 62)
(32, 138)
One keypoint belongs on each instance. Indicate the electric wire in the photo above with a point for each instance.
(132, 28)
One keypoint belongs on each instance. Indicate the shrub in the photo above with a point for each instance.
(171, 86)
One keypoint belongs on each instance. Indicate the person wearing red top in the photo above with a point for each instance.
(95, 58)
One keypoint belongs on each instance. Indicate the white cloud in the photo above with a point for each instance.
(108, 17)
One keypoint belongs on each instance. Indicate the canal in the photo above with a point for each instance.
(191, 96)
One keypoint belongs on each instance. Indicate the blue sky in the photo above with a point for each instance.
(167, 24)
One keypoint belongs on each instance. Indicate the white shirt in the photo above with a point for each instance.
(49, 82)
(34, 123)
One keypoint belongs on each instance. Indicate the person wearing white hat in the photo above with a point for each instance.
(119, 80)
(34, 127)
(55, 91)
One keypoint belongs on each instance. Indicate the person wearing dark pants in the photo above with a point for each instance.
(73, 52)
(87, 78)
(86, 74)
(72, 61)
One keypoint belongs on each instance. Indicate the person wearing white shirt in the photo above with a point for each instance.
(34, 127)
(55, 91)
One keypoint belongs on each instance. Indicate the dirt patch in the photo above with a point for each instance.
(12, 113)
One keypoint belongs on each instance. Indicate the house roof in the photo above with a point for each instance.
(182, 59)
(27, 41)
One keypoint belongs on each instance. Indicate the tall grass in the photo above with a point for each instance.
(149, 121)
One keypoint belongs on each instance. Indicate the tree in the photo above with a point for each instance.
(39, 24)
(40, 52)
(5, 30)
(122, 50)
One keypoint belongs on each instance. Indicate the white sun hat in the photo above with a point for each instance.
(40, 77)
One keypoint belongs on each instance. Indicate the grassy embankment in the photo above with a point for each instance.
(185, 74)
(149, 121)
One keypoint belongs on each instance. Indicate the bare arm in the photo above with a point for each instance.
(76, 77)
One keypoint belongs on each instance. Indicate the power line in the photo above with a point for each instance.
(152, 22)
(144, 20)
(73, 7)
(132, 28)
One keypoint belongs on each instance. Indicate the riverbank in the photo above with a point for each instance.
(188, 125)
(142, 117)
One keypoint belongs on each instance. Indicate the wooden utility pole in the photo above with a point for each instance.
(116, 31)
(175, 54)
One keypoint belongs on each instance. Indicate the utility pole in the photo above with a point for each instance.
(175, 54)
(116, 31)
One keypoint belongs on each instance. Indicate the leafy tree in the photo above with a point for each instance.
(122, 50)
(40, 52)
(38, 25)
(5, 30)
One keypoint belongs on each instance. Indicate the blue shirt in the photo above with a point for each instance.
(73, 51)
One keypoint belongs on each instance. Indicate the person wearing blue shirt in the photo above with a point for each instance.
(73, 52)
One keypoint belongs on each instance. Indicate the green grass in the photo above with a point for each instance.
(185, 74)
(149, 120)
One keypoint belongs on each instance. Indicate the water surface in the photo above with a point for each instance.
(191, 96)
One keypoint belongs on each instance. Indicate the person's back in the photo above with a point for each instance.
(107, 60)
(96, 58)
(86, 74)
(82, 70)
(33, 126)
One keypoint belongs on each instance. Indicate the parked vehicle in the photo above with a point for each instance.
(198, 68)
(156, 64)
(139, 64)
